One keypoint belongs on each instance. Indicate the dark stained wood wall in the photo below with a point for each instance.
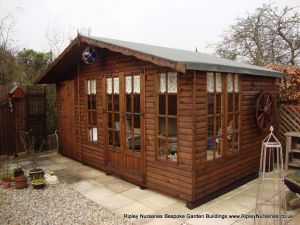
(214, 175)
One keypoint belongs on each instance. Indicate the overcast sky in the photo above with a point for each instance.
(183, 24)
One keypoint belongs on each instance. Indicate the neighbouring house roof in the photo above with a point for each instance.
(176, 59)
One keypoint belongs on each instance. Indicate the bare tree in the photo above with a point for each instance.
(269, 35)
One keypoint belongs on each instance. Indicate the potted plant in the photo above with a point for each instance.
(28, 143)
(6, 177)
(38, 183)
(20, 178)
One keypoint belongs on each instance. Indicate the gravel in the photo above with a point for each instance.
(54, 204)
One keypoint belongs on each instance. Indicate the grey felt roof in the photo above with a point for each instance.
(194, 60)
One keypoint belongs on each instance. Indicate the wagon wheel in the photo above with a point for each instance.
(264, 110)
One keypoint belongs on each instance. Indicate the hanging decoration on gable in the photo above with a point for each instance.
(89, 55)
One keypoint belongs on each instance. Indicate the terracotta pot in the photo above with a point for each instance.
(6, 184)
(20, 182)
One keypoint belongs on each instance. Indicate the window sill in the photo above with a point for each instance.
(222, 159)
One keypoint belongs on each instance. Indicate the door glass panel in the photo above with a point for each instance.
(236, 83)
(110, 137)
(136, 84)
(230, 102)
(128, 103)
(116, 103)
(210, 104)
(109, 102)
(219, 103)
(116, 85)
(117, 139)
(128, 84)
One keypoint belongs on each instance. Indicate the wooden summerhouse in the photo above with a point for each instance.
(175, 121)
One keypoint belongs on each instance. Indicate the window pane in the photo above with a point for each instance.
(172, 128)
(109, 85)
(137, 124)
(172, 144)
(136, 84)
(93, 98)
(95, 134)
(136, 103)
(210, 127)
(236, 123)
(89, 102)
(218, 82)
(116, 103)
(117, 121)
(110, 137)
(91, 134)
(210, 104)
(162, 83)
(219, 126)
(236, 103)
(230, 102)
(219, 103)
(210, 82)
(109, 120)
(93, 86)
(128, 88)
(161, 126)
(128, 103)
(172, 82)
(162, 104)
(117, 139)
(88, 87)
(229, 128)
(229, 83)
(236, 142)
(109, 102)
(172, 104)
(116, 85)
(162, 147)
(236, 83)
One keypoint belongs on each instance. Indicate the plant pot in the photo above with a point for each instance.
(36, 173)
(20, 182)
(38, 183)
(6, 184)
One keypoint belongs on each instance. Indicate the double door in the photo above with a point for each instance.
(124, 96)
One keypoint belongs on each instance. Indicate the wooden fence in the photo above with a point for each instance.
(289, 120)
(27, 113)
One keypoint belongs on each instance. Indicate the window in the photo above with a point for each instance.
(223, 131)
(233, 113)
(91, 111)
(215, 117)
(167, 116)
(113, 111)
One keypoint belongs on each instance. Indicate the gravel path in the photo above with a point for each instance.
(55, 204)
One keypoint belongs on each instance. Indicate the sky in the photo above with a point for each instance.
(184, 24)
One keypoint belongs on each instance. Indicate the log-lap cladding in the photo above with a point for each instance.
(175, 121)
